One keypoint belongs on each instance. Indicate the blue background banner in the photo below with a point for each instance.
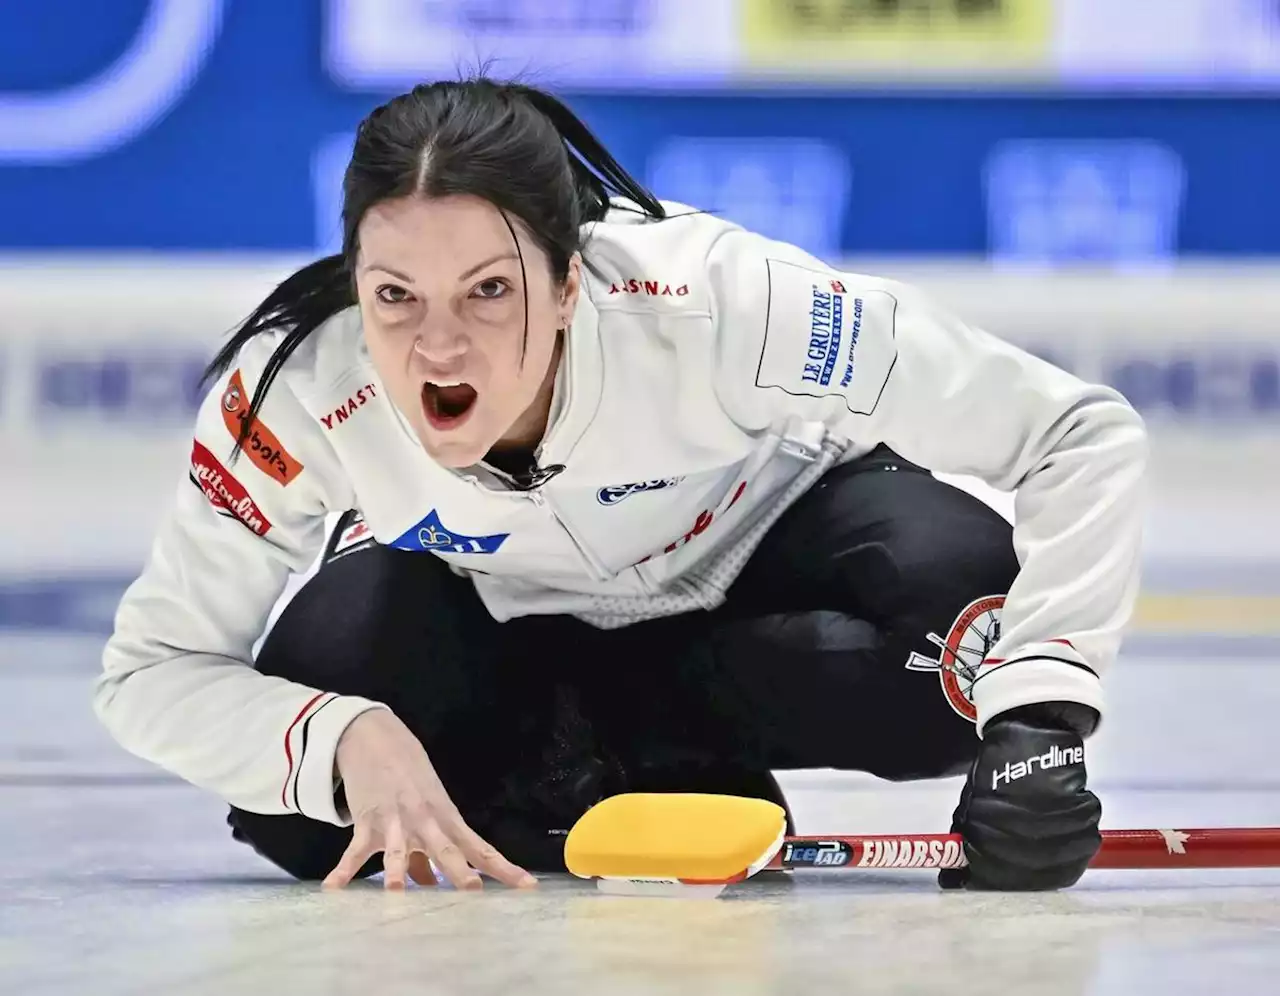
(248, 152)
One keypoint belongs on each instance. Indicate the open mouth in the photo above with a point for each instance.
(447, 405)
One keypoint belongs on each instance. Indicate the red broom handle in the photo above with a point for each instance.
(1252, 847)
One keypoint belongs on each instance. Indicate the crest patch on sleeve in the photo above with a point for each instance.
(822, 339)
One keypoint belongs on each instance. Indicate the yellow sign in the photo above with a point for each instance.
(910, 39)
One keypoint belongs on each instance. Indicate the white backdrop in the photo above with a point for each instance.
(98, 362)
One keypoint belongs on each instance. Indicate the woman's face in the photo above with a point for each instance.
(442, 299)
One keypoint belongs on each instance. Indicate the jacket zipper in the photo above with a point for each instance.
(595, 567)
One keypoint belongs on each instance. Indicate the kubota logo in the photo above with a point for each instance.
(261, 446)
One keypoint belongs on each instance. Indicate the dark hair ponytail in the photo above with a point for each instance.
(513, 145)
(595, 171)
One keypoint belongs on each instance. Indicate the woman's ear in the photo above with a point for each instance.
(570, 289)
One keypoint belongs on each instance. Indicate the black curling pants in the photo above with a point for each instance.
(805, 666)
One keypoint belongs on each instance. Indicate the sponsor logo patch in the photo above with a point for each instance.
(349, 407)
(821, 340)
(649, 288)
(889, 852)
(262, 446)
(875, 852)
(620, 492)
(703, 522)
(1055, 757)
(227, 495)
(819, 854)
(967, 644)
(431, 534)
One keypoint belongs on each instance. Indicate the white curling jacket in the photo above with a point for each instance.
(710, 377)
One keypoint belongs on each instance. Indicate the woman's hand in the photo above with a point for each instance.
(400, 808)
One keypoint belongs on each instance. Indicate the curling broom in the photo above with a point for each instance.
(658, 843)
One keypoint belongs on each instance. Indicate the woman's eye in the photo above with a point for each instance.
(391, 294)
(491, 289)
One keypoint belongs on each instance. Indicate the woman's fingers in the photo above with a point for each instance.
(360, 850)
(486, 858)
(395, 856)
(411, 837)
(406, 811)
(449, 858)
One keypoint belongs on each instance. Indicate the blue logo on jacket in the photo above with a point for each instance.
(826, 318)
(430, 534)
(613, 495)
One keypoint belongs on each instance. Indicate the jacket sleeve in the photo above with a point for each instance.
(178, 687)
(878, 362)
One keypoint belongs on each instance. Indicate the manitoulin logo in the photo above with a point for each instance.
(225, 493)
(262, 446)
(619, 492)
(967, 644)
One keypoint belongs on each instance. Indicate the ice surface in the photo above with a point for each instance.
(115, 879)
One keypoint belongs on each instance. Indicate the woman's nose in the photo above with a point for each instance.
(440, 344)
